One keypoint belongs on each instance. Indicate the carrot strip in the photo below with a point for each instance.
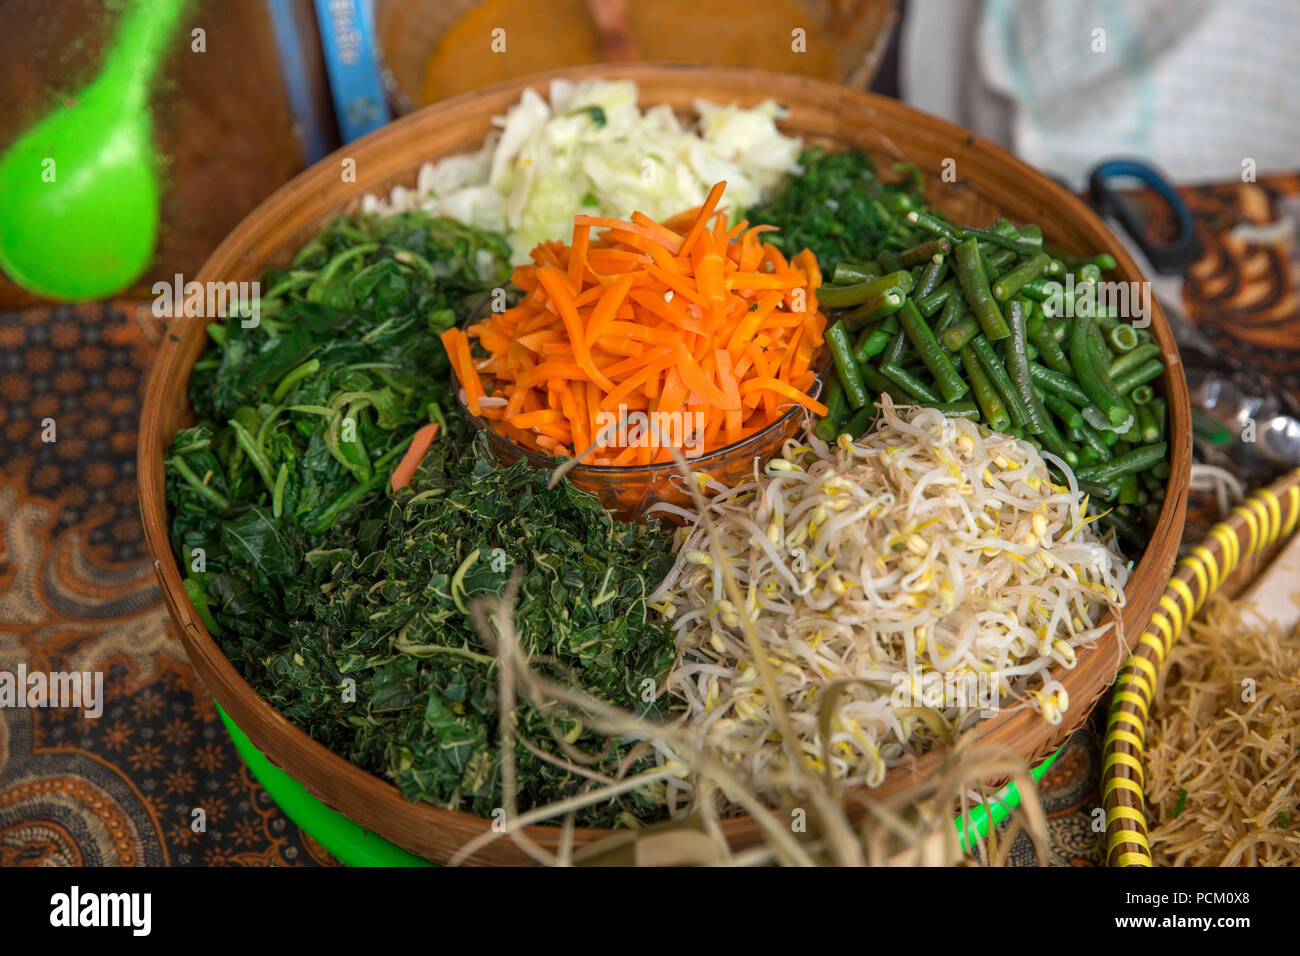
(785, 390)
(415, 452)
(697, 381)
(694, 316)
(457, 346)
(697, 227)
(578, 253)
(665, 237)
(543, 416)
(604, 311)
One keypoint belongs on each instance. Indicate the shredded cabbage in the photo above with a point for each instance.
(590, 149)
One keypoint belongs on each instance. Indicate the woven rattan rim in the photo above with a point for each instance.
(1263, 519)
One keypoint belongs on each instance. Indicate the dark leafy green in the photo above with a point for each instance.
(333, 596)
(392, 615)
(837, 208)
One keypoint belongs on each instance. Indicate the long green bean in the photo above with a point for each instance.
(1063, 385)
(1010, 283)
(1092, 439)
(933, 225)
(849, 273)
(931, 275)
(924, 252)
(909, 383)
(1158, 410)
(1085, 372)
(1131, 360)
(963, 409)
(1142, 395)
(880, 385)
(997, 374)
(967, 328)
(836, 409)
(887, 303)
(1069, 415)
(1122, 338)
(842, 297)
(893, 353)
(1147, 422)
(855, 391)
(874, 341)
(1129, 380)
(975, 286)
(948, 317)
(936, 360)
(1016, 357)
(1138, 459)
(1049, 350)
(991, 406)
(936, 300)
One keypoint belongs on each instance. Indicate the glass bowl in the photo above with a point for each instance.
(630, 490)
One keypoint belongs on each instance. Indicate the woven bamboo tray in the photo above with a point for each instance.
(991, 182)
(1236, 550)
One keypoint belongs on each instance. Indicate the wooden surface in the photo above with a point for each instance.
(990, 182)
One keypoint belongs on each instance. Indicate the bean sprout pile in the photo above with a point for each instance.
(919, 577)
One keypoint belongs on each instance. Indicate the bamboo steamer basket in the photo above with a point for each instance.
(1235, 551)
(990, 182)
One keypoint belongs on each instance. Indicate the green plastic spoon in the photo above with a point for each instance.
(79, 192)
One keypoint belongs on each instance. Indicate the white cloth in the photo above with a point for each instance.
(1195, 87)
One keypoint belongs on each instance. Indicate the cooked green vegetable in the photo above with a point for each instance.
(1084, 359)
(345, 605)
(841, 297)
(909, 383)
(855, 393)
(837, 208)
(997, 373)
(975, 286)
(1008, 285)
(936, 360)
(904, 261)
(391, 611)
(872, 310)
(1016, 357)
(966, 328)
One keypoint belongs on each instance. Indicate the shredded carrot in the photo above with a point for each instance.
(691, 317)
(415, 453)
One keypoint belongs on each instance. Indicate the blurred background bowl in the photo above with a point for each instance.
(433, 49)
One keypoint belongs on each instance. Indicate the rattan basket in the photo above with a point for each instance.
(991, 182)
(1234, 552)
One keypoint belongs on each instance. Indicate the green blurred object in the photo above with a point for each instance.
(357, 846)
(347, 841)
(79, 193)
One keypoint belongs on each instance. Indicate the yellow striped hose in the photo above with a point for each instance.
(1267, 516)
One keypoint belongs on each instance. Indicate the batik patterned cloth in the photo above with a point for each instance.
(78, 593)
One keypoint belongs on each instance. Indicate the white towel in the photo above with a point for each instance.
(1201, 88)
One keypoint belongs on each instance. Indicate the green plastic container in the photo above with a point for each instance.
(357, 846)
(348, 841)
